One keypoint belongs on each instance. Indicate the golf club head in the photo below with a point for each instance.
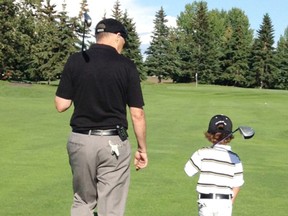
(87, 19)
(246, 132)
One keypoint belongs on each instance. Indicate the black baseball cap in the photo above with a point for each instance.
(111, 25)
(220, 123)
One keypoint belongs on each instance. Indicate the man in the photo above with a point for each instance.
(98, 148)
(221, 171)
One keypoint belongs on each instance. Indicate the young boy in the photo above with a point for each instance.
(221, 171)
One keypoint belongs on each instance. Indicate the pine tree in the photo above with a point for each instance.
(185, 43)
(8, 37)
(282, 63)
(263, 60)
(80, 26)
(204, 52)
(157, 62)
(198, 44)
(67, 39)
(116, 11)
(132, 45)
(173, 57)
(217, 24)
(237, 43)
(45, 63)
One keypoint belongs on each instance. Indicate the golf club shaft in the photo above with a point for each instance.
(226, 136)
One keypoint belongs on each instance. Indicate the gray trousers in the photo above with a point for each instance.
(100, 177)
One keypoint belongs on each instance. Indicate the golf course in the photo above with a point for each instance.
(35, 176)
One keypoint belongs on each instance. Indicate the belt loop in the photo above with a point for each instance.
(89, 132)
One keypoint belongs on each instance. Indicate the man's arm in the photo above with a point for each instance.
(62, 104)
(139, 126)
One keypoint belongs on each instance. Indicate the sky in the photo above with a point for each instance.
(143, 12)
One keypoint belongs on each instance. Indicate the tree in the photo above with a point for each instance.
(79, 27)
(157, 62)
(132, 44)
(67, 41)
(185, 31)
(204, 52)
(45, 63)
(116, 11)
(8, 36)
(198, 44)
(263, 61)
(282, 63)
(238, 39)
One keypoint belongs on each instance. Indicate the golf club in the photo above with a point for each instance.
(245, 131)
(87, 22)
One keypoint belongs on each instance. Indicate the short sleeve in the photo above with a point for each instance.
(64, 89)
(193, 165)
(134, 96)
(238, 175)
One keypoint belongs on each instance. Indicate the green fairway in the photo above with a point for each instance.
(36, 178)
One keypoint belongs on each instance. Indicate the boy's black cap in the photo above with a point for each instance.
(111, 25)
(220, 123)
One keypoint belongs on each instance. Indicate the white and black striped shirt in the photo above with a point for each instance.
(220, 169)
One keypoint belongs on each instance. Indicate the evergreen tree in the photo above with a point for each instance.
(26, 36)
(198, 44)
(80, 26)
(185, 30)
(204, 52)
(217, 21)
(263, 60)
(132, 45)
(67, 41)
(173, 57)
(45, 62)
(8, 37)
(237, 44)
(282, 63)
(157, 62)
(116, 11)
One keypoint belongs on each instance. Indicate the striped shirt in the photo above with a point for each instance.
(220, 169)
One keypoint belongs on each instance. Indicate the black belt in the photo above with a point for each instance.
(214, 196)
(110, 132)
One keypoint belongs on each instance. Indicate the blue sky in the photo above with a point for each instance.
(143, 12)
(254, 9)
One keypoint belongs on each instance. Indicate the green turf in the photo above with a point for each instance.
(35, 177)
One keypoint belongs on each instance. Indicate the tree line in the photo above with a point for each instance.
(206, 47)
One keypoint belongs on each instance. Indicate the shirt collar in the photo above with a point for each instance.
(226, 147)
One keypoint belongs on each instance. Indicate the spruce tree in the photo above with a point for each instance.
(263, 60)
(237, 47)
(8, 37)
(185, 43)
(198, 44)
(132, 45)
(67, 39)
(282, 63)
(204, 52)
(45, 63)
(157, 61)
(116, 11)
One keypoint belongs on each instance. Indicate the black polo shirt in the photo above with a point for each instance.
(101, 88)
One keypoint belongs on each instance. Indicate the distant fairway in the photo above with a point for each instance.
(35, 177)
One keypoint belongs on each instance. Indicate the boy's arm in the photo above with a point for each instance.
(193, 165)
(235, 193)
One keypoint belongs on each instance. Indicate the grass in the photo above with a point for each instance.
(36, 178)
